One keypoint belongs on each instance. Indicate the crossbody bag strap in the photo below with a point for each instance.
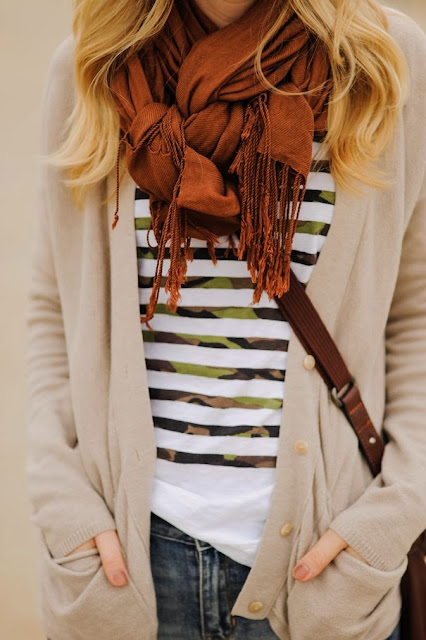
(298, 310)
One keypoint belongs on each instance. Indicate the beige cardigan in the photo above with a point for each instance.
(91, 446)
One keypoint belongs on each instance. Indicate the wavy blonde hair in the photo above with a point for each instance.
(369, 70)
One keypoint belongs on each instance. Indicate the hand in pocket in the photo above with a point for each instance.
(108, 545)
(321, 554)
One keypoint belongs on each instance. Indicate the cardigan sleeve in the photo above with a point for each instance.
(63, 502)
(393, 508)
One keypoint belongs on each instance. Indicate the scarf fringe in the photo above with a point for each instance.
(271, 195)
(173, 229)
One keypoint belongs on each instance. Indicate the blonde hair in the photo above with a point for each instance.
(369, 72)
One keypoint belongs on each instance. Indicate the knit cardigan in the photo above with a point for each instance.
(91, 447)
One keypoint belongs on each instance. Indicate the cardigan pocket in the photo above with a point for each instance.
(349, 600)
(77, 602)
(81, 560)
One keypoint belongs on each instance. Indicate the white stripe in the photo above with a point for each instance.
(320, 181)
(142, 239)
(320, 151)
(308, 243)
(196, 243)
(215, 387)
(302, 271)
(141, 209)
(203, 268)
(186, 412)
(172, 323)
(233, 445)
(200, 297)
(222, 269)
(317, 182)
(316, 211)
(211, 357)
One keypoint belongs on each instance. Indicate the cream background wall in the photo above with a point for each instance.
(29, 32)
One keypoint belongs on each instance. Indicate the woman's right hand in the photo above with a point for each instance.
(109, 548)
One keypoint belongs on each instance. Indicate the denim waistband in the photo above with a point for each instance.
(161, 527)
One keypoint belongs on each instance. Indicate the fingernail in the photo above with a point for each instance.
(119, 578)
(301, 571)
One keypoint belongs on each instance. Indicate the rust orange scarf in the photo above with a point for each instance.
(214, 149)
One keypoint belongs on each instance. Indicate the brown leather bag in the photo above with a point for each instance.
(298, 310)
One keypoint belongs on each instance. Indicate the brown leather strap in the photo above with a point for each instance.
(298, 310)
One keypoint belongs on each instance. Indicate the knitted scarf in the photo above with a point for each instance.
(216, 151)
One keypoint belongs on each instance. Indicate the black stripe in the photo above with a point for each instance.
(181, 427)
(202, 253)
(266, 344)
(314, 195)
(318, 136)
(141, 195)
(320, 166)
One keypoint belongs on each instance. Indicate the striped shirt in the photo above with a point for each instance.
(216, 374)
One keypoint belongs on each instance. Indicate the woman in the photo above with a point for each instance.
(254, 133)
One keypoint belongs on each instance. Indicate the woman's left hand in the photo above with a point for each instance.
(321, 554)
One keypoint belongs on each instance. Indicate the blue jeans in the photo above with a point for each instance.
(196, 587)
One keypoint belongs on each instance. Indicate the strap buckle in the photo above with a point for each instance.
(337, 396)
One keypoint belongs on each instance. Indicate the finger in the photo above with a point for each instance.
(319, 556)
(112, 558)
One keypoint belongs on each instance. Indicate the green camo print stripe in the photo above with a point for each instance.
(221, 373)
(244, 431)
(228, 460)
(218, 402)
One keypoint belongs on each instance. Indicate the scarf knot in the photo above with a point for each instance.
(214, 149)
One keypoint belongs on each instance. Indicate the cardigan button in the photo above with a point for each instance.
(286, 530)
(255, 606)
(309, 362)
(301, 447)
